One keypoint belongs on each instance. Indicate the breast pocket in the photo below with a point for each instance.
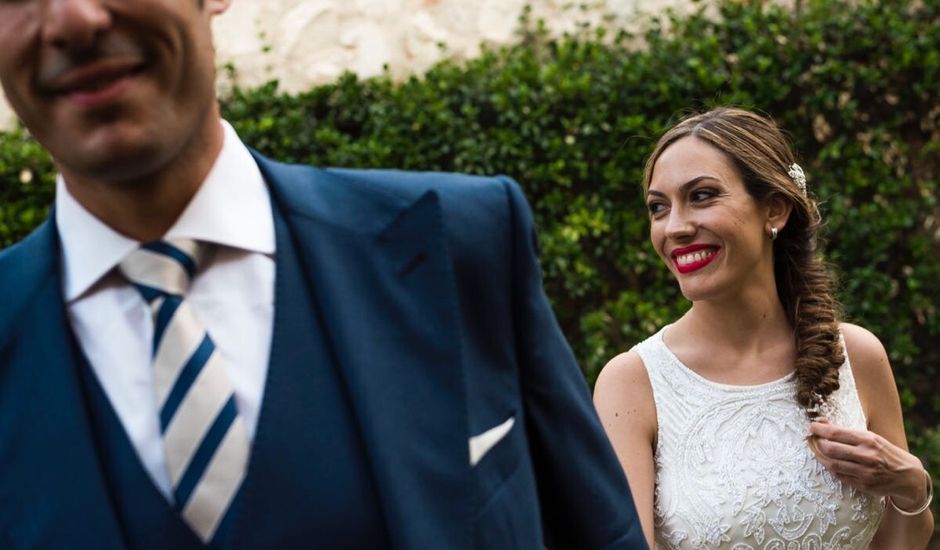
(508, 512)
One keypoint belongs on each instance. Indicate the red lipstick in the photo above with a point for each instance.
(694, 257)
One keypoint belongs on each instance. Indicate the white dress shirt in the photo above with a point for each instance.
(233, 296)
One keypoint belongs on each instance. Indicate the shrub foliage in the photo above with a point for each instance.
(572, 119)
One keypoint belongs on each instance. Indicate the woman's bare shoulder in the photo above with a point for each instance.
(867, 354)
(625, 372)
(623, 393)
(874, 379)
(862, 340)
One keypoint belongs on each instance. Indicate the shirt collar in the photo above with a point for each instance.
(231, 208)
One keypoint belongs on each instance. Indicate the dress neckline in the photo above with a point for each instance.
(786, 379)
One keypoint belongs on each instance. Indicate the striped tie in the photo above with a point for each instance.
(204, 438)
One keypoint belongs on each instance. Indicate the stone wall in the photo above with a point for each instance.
(307, 42)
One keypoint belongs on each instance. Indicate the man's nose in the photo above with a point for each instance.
(74, 24)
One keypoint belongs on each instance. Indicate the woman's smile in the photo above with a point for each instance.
(692, 258)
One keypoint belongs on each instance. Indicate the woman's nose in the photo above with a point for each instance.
(679, 224)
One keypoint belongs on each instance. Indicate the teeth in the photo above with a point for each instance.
(686, 259)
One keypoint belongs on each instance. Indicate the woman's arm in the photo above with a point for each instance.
(623, 397)
(877, 460)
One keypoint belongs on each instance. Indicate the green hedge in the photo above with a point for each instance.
(572, 119)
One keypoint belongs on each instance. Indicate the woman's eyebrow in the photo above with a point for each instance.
(684, 187)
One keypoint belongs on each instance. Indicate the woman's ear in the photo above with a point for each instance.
(778, 212)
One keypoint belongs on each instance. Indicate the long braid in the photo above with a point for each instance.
(806, 285)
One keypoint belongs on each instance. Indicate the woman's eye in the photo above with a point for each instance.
(655, 208)
(700, 195)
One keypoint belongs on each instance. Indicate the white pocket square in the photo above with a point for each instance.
(481, 444)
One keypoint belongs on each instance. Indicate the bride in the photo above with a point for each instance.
(757, 420)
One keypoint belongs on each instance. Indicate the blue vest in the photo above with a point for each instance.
(309, 483)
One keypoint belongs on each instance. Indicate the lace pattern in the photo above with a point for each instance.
(733, 469)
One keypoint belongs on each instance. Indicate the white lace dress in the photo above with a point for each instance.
(733, 469)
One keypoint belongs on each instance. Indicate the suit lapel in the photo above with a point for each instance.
(379, 270)
(53, 493)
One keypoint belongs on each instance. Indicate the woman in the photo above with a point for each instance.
(757, 420)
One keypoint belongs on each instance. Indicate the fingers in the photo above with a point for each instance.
(848, 471)
(856, 474)
(867, 461)
(834, 450)
(859, 476)
(849, 436)
(860, 458)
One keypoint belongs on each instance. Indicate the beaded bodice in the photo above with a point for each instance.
(733, 469)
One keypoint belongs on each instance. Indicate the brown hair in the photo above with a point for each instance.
(805, 284)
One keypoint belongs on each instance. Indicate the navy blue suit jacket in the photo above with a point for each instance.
(432, 297)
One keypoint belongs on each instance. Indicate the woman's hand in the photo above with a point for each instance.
(871, 463)
(876, 460)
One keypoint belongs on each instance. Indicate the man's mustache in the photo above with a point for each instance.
(56, 64)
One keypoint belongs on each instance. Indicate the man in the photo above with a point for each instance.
(204, 347)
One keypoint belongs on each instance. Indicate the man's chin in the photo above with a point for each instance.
(117, 162)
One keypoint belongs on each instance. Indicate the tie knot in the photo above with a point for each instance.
(163, 268)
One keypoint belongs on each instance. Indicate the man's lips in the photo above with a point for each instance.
(694, 257)
(95, 83)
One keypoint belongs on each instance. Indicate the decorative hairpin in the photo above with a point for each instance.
(798, 176)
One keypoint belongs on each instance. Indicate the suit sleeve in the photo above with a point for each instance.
(583, 493)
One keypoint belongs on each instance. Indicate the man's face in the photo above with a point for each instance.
(113, 89)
